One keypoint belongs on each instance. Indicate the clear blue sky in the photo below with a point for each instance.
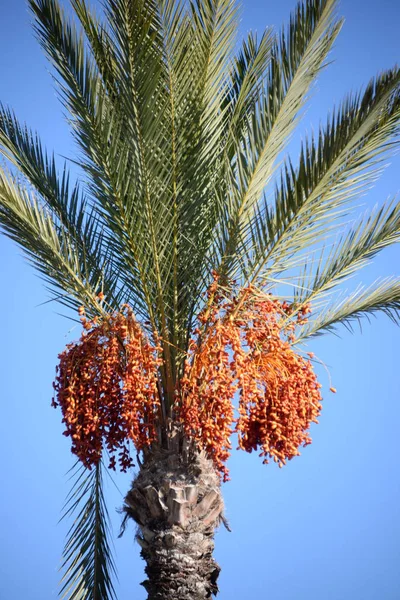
(327, 526)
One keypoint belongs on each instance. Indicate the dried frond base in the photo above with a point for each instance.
(177, 504)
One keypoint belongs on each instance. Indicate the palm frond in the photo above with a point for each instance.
(100, 44)
(351, 252)
(364, 302)
(332, 171)
(248, 75)
(203, 117)
(74, 263)
(88, 563)
(297, 59)
(215, 30)
(67, 203)
(100, 129)
(24, 150)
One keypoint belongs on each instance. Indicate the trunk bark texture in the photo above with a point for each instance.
(177, 503)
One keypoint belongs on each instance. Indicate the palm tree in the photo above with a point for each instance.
(190, 216)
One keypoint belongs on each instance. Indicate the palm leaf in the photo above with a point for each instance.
(98, 125)
(100, 45)
(24, 150)
(72, 262)
(382, 296)
(88, 563)
(248, 75)
(297, 59)
(333, 171)
(351, 252)
(201, 130)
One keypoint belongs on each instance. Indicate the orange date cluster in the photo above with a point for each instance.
(244, 345)
(106, 387)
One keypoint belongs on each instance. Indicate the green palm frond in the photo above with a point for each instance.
(248, 75)
(202, 118)
(100, 45)
(23, 149)
(100, 127)
(364, 302)
(68, 206)
(297, 59)
(351, 252)
(88, 564)
(72, 262)
(215, 30)
(332, 171)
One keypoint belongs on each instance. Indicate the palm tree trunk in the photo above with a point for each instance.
(177, 503)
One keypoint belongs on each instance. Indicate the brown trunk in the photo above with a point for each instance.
(177, 503)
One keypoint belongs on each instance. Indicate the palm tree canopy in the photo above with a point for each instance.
(182, 132)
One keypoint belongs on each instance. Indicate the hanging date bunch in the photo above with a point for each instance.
(243, 343)
(107, 390)
(208, 386)
(279, 392)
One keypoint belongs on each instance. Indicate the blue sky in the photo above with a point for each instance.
(327, 526)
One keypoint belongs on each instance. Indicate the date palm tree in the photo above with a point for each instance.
(184, 188)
